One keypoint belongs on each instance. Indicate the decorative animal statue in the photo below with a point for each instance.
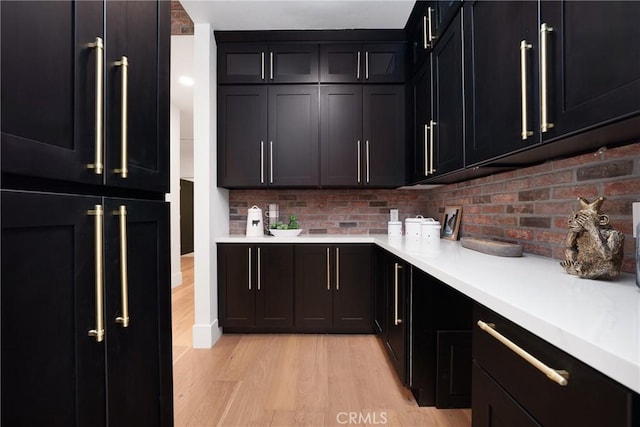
(594, 249)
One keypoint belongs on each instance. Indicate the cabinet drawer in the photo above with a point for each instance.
(588, 399)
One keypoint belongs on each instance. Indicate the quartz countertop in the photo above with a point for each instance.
(596, 321)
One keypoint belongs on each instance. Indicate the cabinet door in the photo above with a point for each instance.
(293, 63)
(48, 102)
(242, 132)
(236, 281)
(383, 129)
(341, 141)
(593, 63)
(242, 63)
(293, 136)
(352, 298)
(418, 34)
(137, 96)
(381, 284)
(274, 287)
(493, 407)
(397, 316)
(494, 78)
(313, 288)
(341, 63)
(421, 94)
(49, 361)
(138, 313)
(384, 63)
(448, 136)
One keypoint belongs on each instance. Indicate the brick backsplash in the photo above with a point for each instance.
(181, 23)
(528, 206)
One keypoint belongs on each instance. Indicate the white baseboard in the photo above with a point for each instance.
(176, 280)
(205, 336)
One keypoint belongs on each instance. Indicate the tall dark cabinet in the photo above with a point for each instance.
(85, 231)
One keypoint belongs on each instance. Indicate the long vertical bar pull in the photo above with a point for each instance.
(328, 270)
(431, 136)
(98, 166)
(258, 273)
(544, 113)
(358, 67)
(396, 321)
(368, 164)
(98, 332)
(261, 162)
(337, 269)
(249, 268)
(359, 163)
(426, 150)
(524, 47)
(124, 162)
(124, 276)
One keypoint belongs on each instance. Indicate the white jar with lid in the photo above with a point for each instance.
(412, 227)
(394, 229)
(430, 229)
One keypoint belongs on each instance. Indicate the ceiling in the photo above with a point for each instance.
(226, 15)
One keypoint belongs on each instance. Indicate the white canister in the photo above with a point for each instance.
(430, 229)
(412, 227)
(254, 222)
(394, 229)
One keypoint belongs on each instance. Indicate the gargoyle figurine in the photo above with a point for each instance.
(594, 249)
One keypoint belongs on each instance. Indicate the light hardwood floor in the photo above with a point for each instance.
(289, 380)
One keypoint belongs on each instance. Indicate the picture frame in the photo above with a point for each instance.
(451, 217)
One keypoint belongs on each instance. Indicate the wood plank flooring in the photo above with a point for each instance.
(289, 379)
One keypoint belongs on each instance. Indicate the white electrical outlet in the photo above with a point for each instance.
(636, 218)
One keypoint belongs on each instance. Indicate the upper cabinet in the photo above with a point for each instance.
(89, 101)
(549, 71)
(273, 63)
(362, 63)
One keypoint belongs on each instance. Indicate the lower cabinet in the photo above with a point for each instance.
(295, 288)
(86, 311)
(508, 390)
(255, 284)
(333, 288)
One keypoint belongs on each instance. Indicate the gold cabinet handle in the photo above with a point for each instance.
(366, 65)
(124, 163)
(368, 160)
(337, 269)
(358, 67)
(261, 65)
(558, 376)
(249, 268)
(124, 276)
(271, 65)
(98, 166)
(544, 113)
(270, 162)
(359, 163)
(431, 36)
(426, 150)
(396, 321)
(524, 47)
(98, 332)
(432, 126)
(425, 37)
(258, 263)
(328, 271)
(261, 162)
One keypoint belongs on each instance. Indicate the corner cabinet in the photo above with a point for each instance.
(75, 110)
(255, 286)
(69, 261)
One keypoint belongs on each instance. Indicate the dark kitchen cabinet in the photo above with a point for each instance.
(333, 288)
(508, 388)
(61, 119)
(494, 72)
(384, 136)
(66, 264)
(420, 92)
(242, 136)
(365, 63)
(262, 63)
(268, 136)
(255, 285)
(361, 136)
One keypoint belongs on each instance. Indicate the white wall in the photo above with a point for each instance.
(173, 197)
(211, 204)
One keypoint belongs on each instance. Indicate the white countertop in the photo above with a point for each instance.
(597, 322)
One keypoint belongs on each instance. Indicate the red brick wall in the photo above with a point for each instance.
(528, 206)
(181, 23)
